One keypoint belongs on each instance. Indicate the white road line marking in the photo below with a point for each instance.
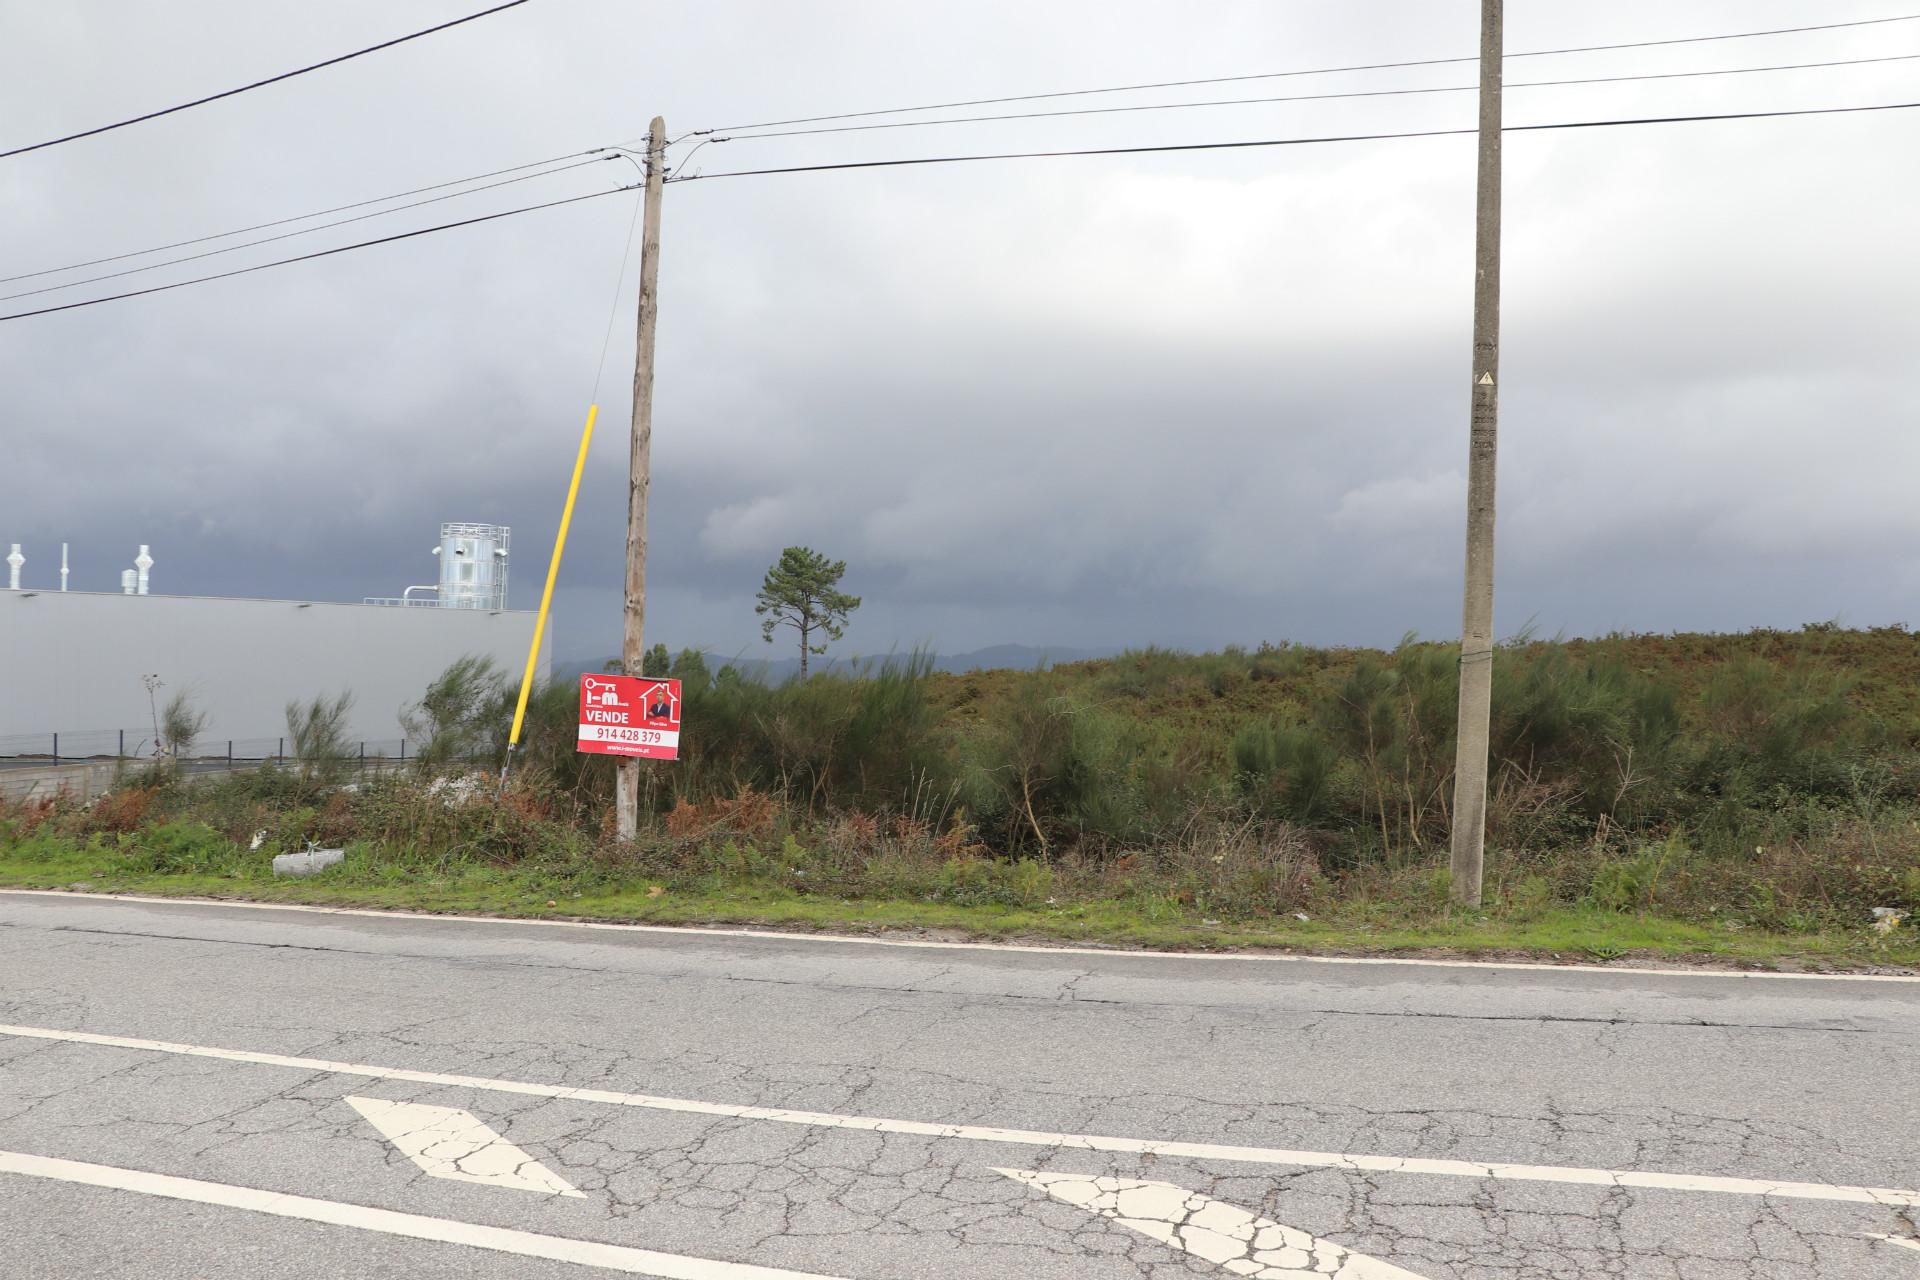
(1241, 1242)
(918, 943)
(450, 1143)
(1027, 1137)
(527, 1244)
(1899, 1240)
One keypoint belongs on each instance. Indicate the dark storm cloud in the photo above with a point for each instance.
(1191, 399)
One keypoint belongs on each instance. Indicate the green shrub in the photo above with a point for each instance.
(1394, 716)
(549, 750)
(1767, 726)
(1533, 896)
(865, 737)
(1272, 663)
(464, 714)
(1047, 771)
(976, 881)
(187, 847)
(1285, 770)
(1634, 884)
(44, 844)
(1601, 729)
(1771, 779)
(317, 731)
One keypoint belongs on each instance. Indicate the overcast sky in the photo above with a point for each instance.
(1185, 399)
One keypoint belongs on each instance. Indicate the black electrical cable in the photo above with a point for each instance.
(301, 217)
(284, 75)
(1012, 155)
(323, 253)
(901, 124)
(1286, 142)
(1312, 71)
(1303, 97)
(288, 235)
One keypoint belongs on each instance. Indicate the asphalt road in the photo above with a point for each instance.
(210, 1091)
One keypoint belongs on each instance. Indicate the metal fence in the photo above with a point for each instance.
(76, 746)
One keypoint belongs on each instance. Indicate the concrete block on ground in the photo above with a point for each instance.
(307, 862)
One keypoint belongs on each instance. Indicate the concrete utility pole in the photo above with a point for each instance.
(1476, 630)
(640, 461)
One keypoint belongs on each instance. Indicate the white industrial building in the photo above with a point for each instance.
(76, 663)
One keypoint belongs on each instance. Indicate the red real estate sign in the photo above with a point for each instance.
(630, 716)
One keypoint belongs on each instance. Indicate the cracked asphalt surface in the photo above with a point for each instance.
(1758, 1078)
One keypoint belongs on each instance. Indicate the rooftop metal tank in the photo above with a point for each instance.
(473, 565)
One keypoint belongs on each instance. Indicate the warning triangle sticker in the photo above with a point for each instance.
(1485, 379)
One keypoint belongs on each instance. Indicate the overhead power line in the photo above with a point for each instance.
(323, 253)
(960, 159)
(299, 217)
(1284, 142)
(1166, 106)
(257, 84)
(288, 235)
(1309, 71)
(1304, 97)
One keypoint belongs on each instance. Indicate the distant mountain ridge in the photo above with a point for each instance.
(1017, 657)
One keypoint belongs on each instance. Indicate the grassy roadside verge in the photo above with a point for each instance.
(1562, 934)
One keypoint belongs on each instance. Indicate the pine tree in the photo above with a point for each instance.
(802, 591)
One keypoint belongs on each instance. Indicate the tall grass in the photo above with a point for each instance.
(1773, 774)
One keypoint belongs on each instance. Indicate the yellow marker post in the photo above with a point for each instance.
(546, 596)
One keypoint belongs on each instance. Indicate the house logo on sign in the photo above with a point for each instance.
(663, 703)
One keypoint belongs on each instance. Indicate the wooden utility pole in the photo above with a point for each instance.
(1476, 631)
(640, 460)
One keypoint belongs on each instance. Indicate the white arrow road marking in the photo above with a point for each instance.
(450, 1143)
(1714, 1184)
(1241, 1242)
(527, 1244)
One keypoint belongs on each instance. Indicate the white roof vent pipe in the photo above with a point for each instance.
(63, 566)
(143, 562)
(127, 580)
(14, 561)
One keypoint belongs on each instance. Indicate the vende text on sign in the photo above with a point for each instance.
(630, 716)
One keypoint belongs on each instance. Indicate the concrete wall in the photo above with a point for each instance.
(71, 662)
(78, 781)
(82, 782)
